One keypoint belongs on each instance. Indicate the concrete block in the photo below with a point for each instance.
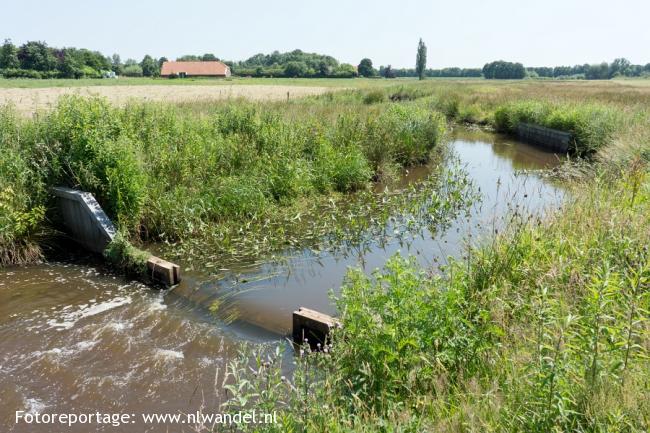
(84, 218)
(162, 271)
(552, 139)
(313, 326)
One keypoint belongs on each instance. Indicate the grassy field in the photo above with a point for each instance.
(544, 328)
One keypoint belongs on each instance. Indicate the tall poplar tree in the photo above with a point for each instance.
(421, 59)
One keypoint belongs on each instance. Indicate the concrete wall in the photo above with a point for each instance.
(85, 219)
(552, 139)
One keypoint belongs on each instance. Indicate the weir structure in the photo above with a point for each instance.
(90, 227)
(552, 139)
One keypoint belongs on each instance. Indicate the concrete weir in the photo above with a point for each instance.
(85, 219)
(552, 139)
(92, 228)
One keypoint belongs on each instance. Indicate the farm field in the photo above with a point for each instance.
(29, 100)
(231, 81)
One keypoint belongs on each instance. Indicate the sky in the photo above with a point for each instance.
(464, 33)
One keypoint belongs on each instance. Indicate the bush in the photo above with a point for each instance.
(132, 71)
(374, 97)
(21, 73)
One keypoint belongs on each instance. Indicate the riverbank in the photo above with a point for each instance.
(543, 329)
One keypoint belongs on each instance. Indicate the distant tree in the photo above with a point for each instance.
(504, 70)
(69, 66)
(116, 64)
(345, 70)
(208, 57)
(36, 56)
(130, 62)
(9, 56)
(388, 72)
(366, 69)
(421, 60)
(188, 58)
(161, 61)
(132, 70)
(619, 66)
(325, 68)
(295, 69)
(149, 67)
(597, 72)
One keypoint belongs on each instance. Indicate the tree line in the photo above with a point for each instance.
(35, 59)
(620, 67)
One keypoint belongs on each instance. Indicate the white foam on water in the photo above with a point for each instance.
(169, 354)
(157, 305)
(120, 326)
(34, 406)
(86, 344)
(69, 319)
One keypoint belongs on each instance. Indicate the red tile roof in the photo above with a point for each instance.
(195, 68)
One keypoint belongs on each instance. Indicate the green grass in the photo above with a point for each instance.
(591, 126)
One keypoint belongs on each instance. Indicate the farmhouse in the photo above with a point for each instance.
(194, 69)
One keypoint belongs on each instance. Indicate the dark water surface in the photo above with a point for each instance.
(75, 338)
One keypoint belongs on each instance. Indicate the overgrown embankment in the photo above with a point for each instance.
(167, 175)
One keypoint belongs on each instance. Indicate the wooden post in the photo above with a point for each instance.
(313, 326)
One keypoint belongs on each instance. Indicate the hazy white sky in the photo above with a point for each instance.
(462, 33)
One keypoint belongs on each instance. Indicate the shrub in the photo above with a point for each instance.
(21, 73)
(132, 71)
(94, 156)
(239, 197)
(374, 97)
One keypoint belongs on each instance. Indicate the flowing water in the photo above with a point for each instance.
(75, 338)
